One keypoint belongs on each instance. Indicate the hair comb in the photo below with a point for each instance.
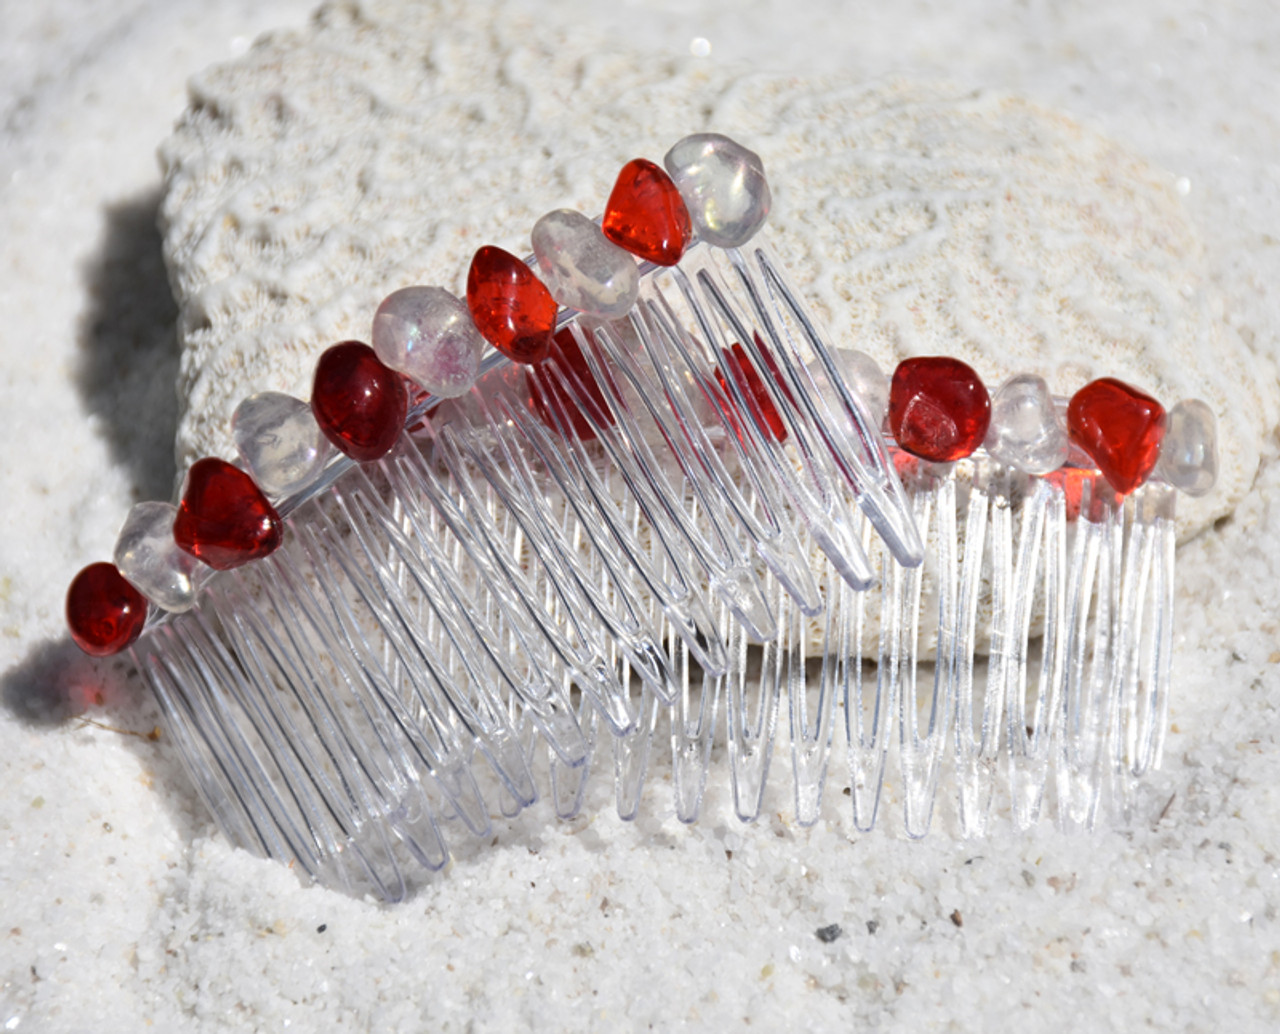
(662, 495)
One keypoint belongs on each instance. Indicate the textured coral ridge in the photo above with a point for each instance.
(381, 146)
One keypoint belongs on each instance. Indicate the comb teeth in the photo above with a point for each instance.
(448, 631)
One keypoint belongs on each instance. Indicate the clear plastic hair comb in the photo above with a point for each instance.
(669, 503)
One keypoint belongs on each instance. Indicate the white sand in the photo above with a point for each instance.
(122, 908)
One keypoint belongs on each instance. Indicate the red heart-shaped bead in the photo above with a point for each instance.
(646, 214)
(359, 403)
(224, 519)
(1120, 428)
(510, 306)
(939, 409)
(104, 612)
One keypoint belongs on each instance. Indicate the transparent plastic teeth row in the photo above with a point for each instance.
(368, 688)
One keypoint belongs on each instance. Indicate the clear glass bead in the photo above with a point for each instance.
(723, 186)
(277, 437)
(428, 334)
(1189, 450)
(1026, 429)
(148, 557)
(863, 377)
(582, 268)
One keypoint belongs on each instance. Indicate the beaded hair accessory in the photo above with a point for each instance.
(452, 569)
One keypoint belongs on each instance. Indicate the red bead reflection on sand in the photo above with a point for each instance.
(646, 214)
(104, 612)
(223, 518)
(1120, 428)
(939, 409)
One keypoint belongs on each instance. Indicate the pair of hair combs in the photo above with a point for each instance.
(463, 576)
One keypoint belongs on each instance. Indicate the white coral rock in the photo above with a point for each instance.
(381, 146)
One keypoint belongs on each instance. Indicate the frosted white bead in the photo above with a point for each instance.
(428, 334)
(1189, 450)
(148, 557)
(723, 186)
(864, 378)
(1026, 431)
(582, 268)
(280, 442)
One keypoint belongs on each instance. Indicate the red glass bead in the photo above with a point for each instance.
(223, 518)
(359, 403)
(104, 612)
(510, 306)
(763, 411)
(543, 383)
(939, 408)
(1120, 428)
(646, 214)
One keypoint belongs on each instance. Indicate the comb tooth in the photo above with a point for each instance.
(568, 787)
(1039, 573)
(1143, 641)
(811, 737)
(414, 823)
(1091, 590)
(923, 718)
(869, 702)
(569, 782)
(1157, 507)
(977, 751)
(693, 724)
(631, 750)
(751, 729)
(690, 619)
(840, 543)
(691, 738)
(631, 756)
(1133, 561)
